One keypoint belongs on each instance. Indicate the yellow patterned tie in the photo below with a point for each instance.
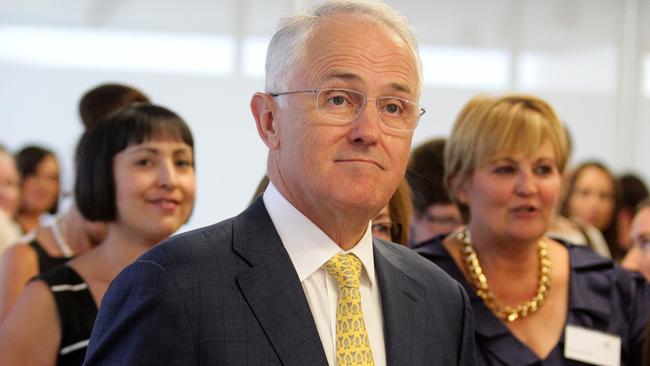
(352, 344)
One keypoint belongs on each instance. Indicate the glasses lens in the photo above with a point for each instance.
(398, 113)
(339, 104)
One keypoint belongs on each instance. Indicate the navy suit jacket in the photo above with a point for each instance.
(228, 294)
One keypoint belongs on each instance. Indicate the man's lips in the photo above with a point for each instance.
(361, 160)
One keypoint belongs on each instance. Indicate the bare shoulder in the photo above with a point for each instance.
(17, 265)
(20, 257)
(31, 333)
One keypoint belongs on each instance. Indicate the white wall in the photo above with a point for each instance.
(576, 54)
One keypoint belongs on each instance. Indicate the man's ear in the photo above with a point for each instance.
(264, 110)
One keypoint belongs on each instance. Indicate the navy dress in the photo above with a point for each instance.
(602, 296)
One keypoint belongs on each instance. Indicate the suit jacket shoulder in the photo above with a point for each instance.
(427, 316)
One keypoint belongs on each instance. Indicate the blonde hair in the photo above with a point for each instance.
(400, 210)
(489, 127)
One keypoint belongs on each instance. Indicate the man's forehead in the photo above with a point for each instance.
(354, 77)
(350, 50)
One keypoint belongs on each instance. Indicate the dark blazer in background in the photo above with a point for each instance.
(228, 294)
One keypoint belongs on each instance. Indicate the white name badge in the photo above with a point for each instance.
(592, 346)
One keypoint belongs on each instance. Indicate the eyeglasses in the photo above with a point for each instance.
(344, 106)
(388, 229)
(442, 220)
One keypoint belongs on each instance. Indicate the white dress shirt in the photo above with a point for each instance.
(309, 249)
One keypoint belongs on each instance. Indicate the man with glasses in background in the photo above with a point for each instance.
(297, 279)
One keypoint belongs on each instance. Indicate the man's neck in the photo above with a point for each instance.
(344, 227)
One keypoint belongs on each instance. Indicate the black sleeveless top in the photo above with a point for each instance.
(77, 311)
(45, 262)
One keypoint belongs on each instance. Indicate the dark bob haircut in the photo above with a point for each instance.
(28, 159)
(95, 185)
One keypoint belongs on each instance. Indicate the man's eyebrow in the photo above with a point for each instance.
(354, 77)
(401, 87)
(343, 76)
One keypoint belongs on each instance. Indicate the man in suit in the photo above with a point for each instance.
(296, 279)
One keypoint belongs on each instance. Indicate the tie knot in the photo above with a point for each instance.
(346, 269)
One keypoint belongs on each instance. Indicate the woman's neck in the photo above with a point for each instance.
(509, 256)
(118, 251)
(28, 221)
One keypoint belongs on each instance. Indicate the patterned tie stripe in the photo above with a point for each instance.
(352, 344)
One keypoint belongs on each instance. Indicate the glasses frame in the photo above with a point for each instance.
(421, 108)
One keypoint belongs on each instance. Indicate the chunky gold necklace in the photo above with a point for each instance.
(502, 311)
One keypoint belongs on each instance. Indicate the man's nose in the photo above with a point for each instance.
(365, 129)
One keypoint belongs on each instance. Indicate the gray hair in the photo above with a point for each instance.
(288, 43)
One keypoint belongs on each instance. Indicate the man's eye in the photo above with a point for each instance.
(393, 107)
(337, 100)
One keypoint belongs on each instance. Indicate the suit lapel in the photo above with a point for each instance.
(273, 290)
(399, 299)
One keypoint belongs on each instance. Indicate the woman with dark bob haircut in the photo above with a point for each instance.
(135, 171)
(534, 297)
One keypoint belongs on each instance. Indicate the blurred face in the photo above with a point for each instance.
(640, 235)
(381, 225)
(41, 190)
(9, 186)
(513, 198)
(439, 218)
(357, 166)
(154, 187)
(592, 199)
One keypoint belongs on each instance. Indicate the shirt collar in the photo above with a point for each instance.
(308, 246)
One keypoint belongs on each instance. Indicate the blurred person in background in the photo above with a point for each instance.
(69, 234)
(638, 257)
(529, 293)
(107, 98)
(9, 199)
(435, 213)
(135, 171)
(593, 196)
(392, 222)
(573, 229)
(633, 192)
(40, 186)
